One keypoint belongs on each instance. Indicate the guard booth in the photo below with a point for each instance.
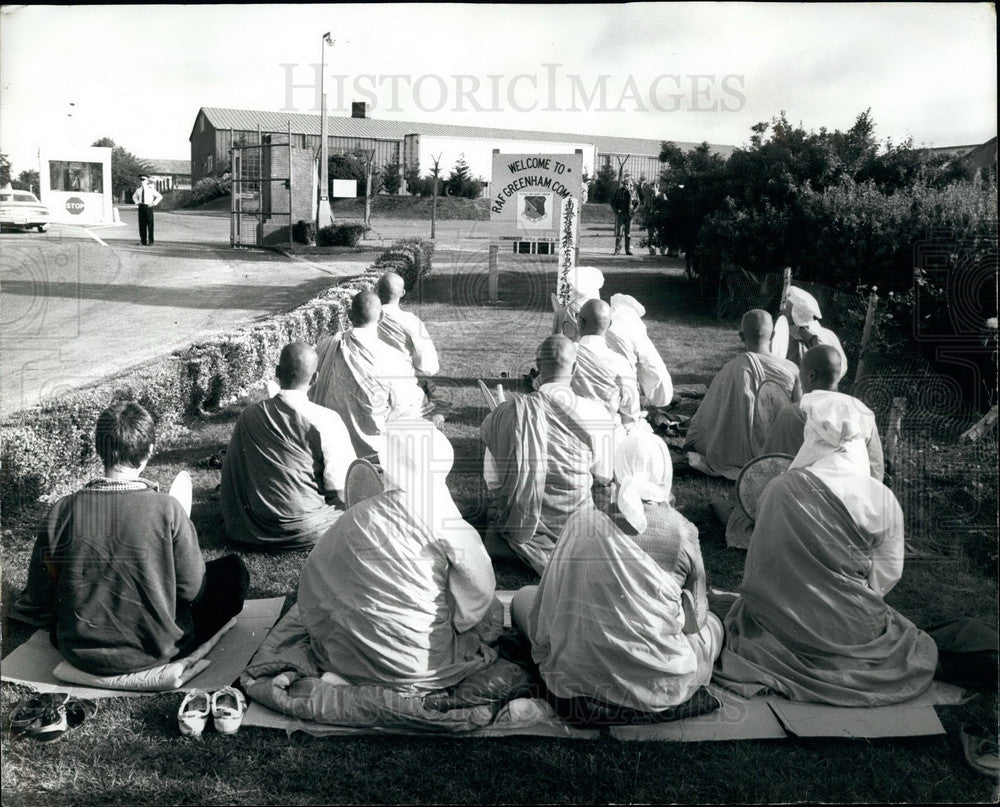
(273, 188)
(75, 184)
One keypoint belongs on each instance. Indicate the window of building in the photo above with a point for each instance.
(76, 176)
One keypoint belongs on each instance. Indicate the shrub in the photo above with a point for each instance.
(209, 188)
(340, 235)
(410, 258)
(304, 232)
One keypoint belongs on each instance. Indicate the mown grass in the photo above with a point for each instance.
(131, 752)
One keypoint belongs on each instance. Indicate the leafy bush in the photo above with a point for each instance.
(340, 235)
(209, 188)
(304, 232)
(410, 258)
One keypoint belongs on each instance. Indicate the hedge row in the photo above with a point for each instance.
(48, 449)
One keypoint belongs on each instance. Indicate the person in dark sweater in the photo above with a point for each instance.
(117, 574)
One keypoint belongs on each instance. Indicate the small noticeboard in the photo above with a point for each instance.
(527, 191)
(345, 188)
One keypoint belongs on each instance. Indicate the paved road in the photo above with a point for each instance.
(75, 308)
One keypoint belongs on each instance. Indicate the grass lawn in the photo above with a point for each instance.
(130, 752)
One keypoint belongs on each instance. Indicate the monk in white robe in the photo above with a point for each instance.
(628, 337)
(544, 452)
(602, 374)
(803, 314)
(401, 592)
(620, 619)
(403, 330)
(818, 376)
(364, 380)
(283, 475)
(811, 621)
(720, 438)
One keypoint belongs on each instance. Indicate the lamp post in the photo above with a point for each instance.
(324, 216)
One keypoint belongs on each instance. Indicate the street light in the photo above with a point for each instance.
(324, 215)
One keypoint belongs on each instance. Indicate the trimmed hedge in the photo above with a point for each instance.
(410, 258)
(48, 449)
(340, 235)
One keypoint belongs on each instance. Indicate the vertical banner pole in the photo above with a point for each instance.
(568, 233)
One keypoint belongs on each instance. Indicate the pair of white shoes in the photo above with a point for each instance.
(226, 706)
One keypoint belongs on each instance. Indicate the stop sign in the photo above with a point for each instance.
(75, 205)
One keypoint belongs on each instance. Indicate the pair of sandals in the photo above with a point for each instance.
(227, 707)
(49, 715)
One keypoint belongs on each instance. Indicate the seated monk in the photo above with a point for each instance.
(818, 376)
(400, 592)
(402, 329)
(620, 619)
(719, 436)
(364, 380)
(544, 452)
(602, 374)
(628, 337)
(585, 283)
(802, 312)
(283, 475)
(811, 621)
(116, 573)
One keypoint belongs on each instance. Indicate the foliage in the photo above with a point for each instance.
(126, 169)
(603, 186)
(27, 181)
(209, 188)
(351, 165)
(461, 182)
(340, 235)
(304, 232)
(5, 169)
(410, 258)
(391, 177)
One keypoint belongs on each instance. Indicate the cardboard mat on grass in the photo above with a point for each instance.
(32, 663)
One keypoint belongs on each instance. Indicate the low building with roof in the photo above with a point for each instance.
(170, 175)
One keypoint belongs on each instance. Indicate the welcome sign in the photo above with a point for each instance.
(527, 192)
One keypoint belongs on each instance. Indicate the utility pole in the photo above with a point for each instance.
(324, 216)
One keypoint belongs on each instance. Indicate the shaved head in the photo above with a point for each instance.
(365, 309)
(390, 288)
(556, 358)
(820, 369)
(296, 365)
(756, 328)
(595, 318)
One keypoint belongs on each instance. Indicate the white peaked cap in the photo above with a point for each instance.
(804, 306)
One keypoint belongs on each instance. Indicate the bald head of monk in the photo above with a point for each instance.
(820, 369)
(365, 309)
(296, 366)
(390, 288)
(756, 328)
(556, 359)
(595, 318)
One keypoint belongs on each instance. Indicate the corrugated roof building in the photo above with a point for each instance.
(409, 143)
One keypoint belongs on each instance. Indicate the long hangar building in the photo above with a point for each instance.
(407, 143)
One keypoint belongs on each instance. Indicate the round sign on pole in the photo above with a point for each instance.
(75, 205)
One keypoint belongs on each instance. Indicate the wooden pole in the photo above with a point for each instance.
(434, 199)
(786, 281)
(494, 279)
(866, 333)
(893, 433)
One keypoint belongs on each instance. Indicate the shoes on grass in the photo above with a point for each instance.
(193, 713)
(980, 748)
(48, 716)
(228, 707)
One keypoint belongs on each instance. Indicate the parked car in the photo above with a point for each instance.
(22, 209)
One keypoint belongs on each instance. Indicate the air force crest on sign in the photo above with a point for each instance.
(534, 211)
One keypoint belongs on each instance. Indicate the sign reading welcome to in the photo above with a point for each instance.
(527, 191)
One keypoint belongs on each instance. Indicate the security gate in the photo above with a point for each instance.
(261, 211)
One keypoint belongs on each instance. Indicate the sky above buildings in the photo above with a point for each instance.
(686, 71)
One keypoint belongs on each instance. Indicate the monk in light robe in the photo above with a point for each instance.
(544, 453)
(720, 434)
(602, 374)
(403, 330)
(628, 337)
(811, 621)
(401, 592)
(364, 380)
(619, 622)
(284, 471)
(805, 331)
(818, 376)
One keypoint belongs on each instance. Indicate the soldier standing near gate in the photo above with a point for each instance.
(147, 197)
(624, 202)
